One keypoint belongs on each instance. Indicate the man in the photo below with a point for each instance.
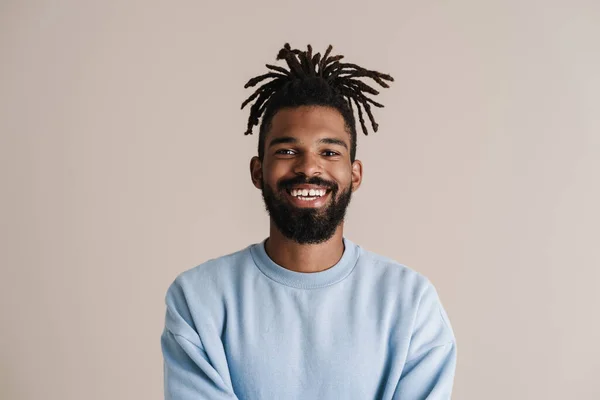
(307, 314)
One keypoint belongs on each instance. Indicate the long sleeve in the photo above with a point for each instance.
(188, 371)
(243, 327)
(431, 362)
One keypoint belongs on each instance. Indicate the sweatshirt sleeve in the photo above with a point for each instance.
(431, 361)
(188, 371)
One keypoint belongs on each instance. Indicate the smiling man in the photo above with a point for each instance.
(307, 313)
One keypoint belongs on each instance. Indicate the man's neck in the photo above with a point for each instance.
(305, 257)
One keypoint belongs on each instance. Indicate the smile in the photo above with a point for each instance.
(307, 193)
(312, 197)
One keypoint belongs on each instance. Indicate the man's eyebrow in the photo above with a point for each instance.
(283, 139)
(290, 139)
(339, 142)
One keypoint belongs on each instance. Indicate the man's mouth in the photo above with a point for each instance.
(308, 196)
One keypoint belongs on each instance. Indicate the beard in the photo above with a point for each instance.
(306, 225)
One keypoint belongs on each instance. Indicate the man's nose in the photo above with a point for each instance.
(308, 164)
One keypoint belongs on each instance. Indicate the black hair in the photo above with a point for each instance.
(313, 80)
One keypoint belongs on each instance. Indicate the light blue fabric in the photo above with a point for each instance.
(242, 327)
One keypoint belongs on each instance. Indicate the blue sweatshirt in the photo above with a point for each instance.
(242, 327)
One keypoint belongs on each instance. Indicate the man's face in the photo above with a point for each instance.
(306, 175)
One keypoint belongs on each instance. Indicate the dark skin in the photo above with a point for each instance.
(309, 141)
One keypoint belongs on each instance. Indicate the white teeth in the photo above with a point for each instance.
(305, 193)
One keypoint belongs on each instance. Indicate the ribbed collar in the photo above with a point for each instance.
(306, 280)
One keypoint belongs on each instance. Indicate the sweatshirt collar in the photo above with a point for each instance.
(306, 280)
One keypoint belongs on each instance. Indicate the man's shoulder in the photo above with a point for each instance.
(385, 268)
(214, 270)
(396, 282)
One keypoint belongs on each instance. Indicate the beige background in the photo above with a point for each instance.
(123, 163)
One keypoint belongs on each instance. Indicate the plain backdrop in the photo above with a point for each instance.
(123, 163)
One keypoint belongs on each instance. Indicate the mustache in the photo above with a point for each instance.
(301, 180)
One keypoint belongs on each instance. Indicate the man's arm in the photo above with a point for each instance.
(188, 371)
(431, 361)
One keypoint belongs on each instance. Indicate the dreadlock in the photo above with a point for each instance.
(313, 80)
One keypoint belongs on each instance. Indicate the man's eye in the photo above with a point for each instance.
(286, 152)
(330, 153)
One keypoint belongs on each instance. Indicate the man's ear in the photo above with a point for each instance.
(357, 174)
(256, 172)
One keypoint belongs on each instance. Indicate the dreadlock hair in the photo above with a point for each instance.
(313, 80)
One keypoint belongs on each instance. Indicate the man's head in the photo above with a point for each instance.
(306, 166)
(306, 175)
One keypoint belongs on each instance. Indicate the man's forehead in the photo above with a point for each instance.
(308, 125)
(308, 115)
